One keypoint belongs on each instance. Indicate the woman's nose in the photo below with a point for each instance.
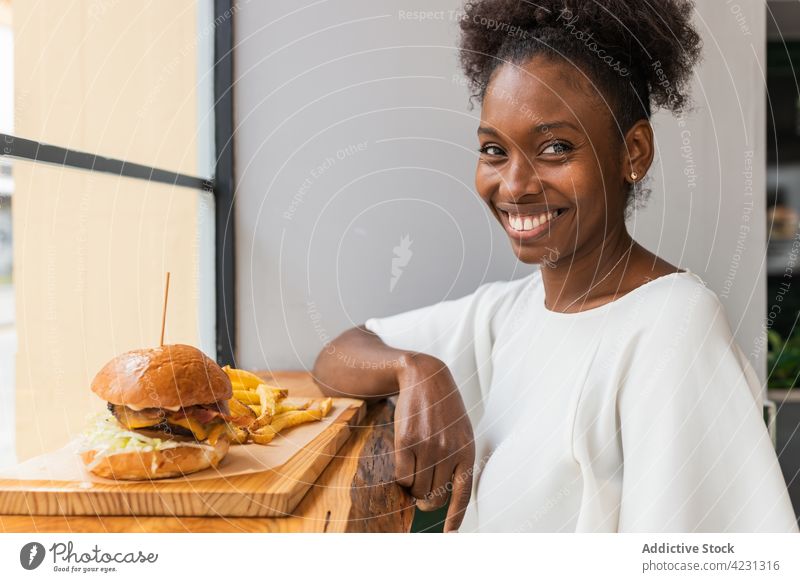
(520, 178)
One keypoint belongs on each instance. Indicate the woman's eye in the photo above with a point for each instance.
(558, 147)
(491, 150)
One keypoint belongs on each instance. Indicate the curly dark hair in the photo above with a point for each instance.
(640, 53)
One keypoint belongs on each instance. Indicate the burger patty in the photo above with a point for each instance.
(199, 422)
(159, 418)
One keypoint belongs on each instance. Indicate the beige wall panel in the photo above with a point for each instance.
(114, 78)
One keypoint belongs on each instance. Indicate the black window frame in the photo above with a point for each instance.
(221, 184)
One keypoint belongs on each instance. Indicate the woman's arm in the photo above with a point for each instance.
(358, 364)
(696, 453)
(434, 444)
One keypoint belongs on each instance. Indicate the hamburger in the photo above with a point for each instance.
(168, 415)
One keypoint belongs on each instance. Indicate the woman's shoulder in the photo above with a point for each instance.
(681, 301)
(683, 286)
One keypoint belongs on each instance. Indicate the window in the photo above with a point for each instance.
(8, 336)
(108, 178)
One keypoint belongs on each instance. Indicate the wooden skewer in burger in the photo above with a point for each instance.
(169, 413)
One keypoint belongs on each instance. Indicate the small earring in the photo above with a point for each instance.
(634, 176)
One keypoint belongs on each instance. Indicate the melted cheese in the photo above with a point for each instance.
(133, 423)
(132, 420)
(198, 430)
(215, 433)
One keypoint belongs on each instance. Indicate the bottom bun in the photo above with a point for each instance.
(156, 464)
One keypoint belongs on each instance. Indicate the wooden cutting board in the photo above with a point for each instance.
(271, 493)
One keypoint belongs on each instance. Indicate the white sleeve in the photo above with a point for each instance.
(697, 456)
(457, 331)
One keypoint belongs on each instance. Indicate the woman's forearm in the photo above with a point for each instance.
(357, 363)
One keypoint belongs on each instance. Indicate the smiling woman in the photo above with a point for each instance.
(603, 392)
(565, 134)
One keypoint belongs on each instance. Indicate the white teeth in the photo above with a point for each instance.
(523, 223)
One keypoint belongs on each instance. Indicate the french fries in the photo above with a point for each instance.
(288, 404)
(242, 379)
(285, 405)
(263, 411)
(246, 396)
(268, 404)
(290, 418)
(324, 406)
(282, 421)
(240, 436)
(243, 413)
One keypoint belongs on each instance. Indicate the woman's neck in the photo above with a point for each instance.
(584, 281)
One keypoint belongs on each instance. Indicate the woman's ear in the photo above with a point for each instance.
(638, 151)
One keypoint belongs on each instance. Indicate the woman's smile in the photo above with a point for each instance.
(531, 227)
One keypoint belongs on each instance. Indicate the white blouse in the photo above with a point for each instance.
(639, 415)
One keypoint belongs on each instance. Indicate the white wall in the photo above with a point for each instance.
(316, 240)
(313, 82)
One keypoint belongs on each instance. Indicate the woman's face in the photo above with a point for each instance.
(548, 143)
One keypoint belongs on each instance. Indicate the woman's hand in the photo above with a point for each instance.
(434, 444)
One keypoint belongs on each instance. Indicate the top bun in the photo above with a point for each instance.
(165, 377)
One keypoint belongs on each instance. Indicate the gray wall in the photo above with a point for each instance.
(354, 135)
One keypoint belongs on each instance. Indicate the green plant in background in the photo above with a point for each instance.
(783, 360)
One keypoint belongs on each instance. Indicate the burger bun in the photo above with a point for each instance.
(171, 376)
(157, 464)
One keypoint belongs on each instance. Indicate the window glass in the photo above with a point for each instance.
(127, 80)
(91, 253)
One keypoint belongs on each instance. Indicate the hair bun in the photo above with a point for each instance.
(654, 46)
